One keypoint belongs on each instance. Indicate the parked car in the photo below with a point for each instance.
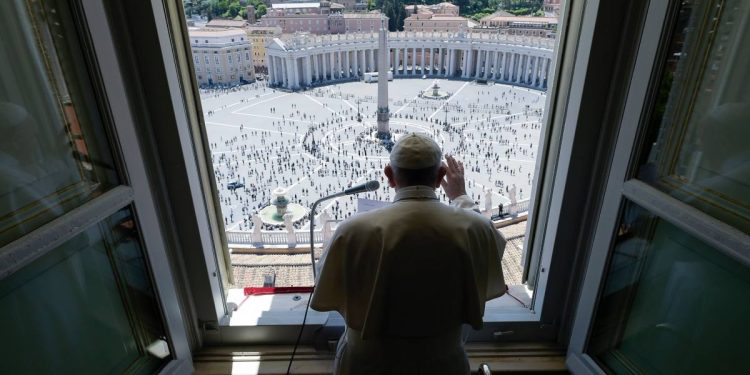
(235, 185)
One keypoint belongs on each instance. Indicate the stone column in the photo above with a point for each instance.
(480, 63)
(451, 63)
(285, 65)
(336, 64)
(487, 60)
(321, 67)
(529, 74)
(279, 70)
(295, 72)
(363, 62)
(414, 61)
(498, 63)
(440, 61)
(473, 63)
(271, 73)
(405, 59)
(314, 67)
(422, 64)
(464, 61)
(396, 61)
(508, 64)
(340, 55)
(430, 61)
(355, 63)
(308, 71)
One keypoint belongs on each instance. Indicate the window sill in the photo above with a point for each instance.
(289, 309)
(501, 357)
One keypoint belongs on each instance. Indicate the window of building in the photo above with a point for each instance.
(508, 175)
(551, 215)
(229, 58)
(216, 59)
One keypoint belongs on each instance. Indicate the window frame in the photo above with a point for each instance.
(133, 192)
(564, 105)
(622, 186)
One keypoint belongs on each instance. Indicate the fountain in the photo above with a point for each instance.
(434, 92)
(281, 207)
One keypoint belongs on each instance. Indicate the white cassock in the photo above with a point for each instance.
(406, 278)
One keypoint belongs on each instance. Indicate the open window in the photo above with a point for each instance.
(671, 245)
(305, 129)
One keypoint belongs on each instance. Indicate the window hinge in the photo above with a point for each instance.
(209, 326)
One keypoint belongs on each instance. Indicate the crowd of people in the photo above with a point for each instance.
(280, 142)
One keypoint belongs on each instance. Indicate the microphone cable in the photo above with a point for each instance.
(299, 335)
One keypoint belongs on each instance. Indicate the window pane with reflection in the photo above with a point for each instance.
(670, 304)
(698, 137)
(87, 307)
(53, 154)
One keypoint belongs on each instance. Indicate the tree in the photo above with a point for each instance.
(260, 10)
(396, 13)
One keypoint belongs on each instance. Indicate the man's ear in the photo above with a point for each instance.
(389, 174)
(442, 171)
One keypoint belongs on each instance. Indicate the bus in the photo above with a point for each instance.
(373, 77)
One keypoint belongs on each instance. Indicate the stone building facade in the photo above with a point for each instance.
(298, 61)
(318, 18)
(222, 56)
(260, 36)
(428, 22)
(521, 25)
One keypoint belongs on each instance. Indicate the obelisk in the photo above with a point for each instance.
(384, 131)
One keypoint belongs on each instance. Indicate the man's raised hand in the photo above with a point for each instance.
(453, 183)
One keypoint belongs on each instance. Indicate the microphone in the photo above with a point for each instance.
(367, 186)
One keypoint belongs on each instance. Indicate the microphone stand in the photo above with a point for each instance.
(312, 228)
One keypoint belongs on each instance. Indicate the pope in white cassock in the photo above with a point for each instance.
(408, 276)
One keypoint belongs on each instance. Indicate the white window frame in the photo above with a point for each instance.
(133, 192)
(620, 189)
(563, 106)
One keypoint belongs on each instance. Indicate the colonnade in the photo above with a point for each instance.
(301, 64)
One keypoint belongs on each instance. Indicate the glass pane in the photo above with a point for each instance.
(53, 153)
(670, 304)
(87, 307)
(697, 142)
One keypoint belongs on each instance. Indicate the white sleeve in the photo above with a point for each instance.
(463, 201)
